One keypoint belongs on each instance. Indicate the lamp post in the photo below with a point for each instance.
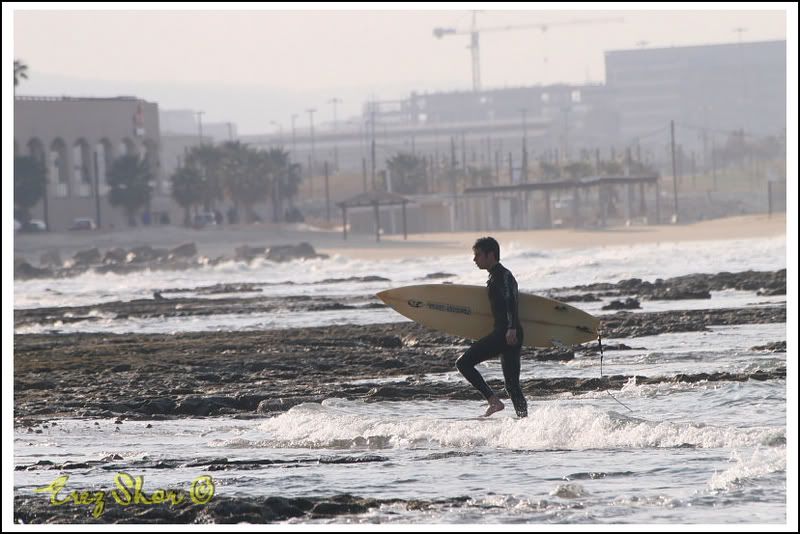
(294, 143)
(524, 112)
(312, 161)
(335, 100)
(200, 124)
(280, 130)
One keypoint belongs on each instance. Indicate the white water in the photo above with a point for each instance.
(669, 453)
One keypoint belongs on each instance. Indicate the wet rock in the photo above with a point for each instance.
(247, 253)
(145, 253)
(162, 405)
(51, 258)
(627, 304)
(680, 293)
(115, 256)
(438, 276)
(87, 257)
(284, 253)
(777, 346)
(587, 297)
(187, 250)
(554, 354)
(24, 270)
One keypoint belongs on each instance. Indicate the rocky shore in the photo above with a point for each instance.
(261, 373)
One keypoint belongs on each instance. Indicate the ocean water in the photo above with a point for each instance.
(669, 453)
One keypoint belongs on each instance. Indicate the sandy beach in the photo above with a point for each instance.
(223, 240)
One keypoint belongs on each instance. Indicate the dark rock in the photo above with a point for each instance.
(51, 258)
(628, 304)
(777, 346)
(145, 253)
(23, 270)
(438, 276)
(115, 256)
(87, 257)
(292, 252)
(187, 250)
(247, 253)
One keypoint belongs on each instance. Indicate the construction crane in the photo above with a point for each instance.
(475, 32)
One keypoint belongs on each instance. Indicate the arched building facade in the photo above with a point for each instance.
(77, 140)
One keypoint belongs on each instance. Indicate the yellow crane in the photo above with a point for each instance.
(475, 32)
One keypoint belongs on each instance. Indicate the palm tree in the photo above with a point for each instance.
(209, 162)
(20, 71)
(187, 190)
(248, 176)
(29, 184)
(409, 173)
(129, 179)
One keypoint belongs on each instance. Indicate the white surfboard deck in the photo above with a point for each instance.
(463, 310)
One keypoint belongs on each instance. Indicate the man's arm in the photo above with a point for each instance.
(510, 295)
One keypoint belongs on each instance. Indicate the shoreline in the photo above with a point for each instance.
(742, 227)
(222, 241)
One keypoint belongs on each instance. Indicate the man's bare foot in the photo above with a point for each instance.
(495, 405)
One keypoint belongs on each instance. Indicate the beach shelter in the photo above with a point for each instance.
(374, 199)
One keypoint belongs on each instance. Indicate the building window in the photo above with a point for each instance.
(576, 95)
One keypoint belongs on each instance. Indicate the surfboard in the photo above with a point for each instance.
(464, 310)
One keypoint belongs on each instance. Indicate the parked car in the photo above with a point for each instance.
(83, 224)
(34, 225)
(204, 219)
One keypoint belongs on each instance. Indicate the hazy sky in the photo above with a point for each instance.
(253, 67)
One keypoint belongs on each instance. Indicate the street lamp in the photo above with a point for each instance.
(294, 143)
(335, 100)
(311, 112)
(200, 124)
(280, 130)
(524, 112)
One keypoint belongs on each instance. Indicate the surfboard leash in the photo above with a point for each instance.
(600, 344)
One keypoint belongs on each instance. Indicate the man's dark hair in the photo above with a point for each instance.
(487, 245)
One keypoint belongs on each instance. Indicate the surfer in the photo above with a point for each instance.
(507, 335)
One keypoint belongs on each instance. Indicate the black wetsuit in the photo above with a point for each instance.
(504, 300)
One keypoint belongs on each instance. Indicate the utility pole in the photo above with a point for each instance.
(674, 172)
(200, 124)
(524, 112)
(372, 146)
(335, 100)
(312, 161)
(742, 78)
(97, 188)
(294, 142)
(280, 130)
(327, 195)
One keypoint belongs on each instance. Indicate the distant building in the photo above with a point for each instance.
(77, 139)
(722, 87)
(185, 122)
(708, 90)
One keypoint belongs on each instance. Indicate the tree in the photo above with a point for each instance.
(610, 168)
(129, 179)
(248, 176)
(187, 190)
(409, 173)
(20, 71)
(578, 169)
(479, 176)
(29, 184)
(279, 176)
(209, 162)
(550, 171)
